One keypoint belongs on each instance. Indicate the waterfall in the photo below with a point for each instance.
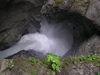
(53, 38)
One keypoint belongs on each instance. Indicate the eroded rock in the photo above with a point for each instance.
(14, 22)
(88, 8)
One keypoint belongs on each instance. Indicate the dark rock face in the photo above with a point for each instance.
(8, 3)
(3, 3)
(27, 54)
(15, 21)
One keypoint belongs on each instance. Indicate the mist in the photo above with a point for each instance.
(56, 38)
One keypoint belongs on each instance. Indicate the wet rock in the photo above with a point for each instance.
(15, 22)
(27, 54)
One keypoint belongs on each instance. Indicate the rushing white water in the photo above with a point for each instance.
(53, 38)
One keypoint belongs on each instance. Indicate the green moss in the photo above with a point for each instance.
(18, 73)
(22, 61)
(15, 70)
(67, 63)
(1, 73)
(97, 65)
(78, 73)
(80, 4)
(33, 72)
(59, 1)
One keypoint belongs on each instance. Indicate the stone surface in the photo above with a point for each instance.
(91, 10)
(2, 64)
(16, 21)
(27, 54)
(9, 3)
(90, 47)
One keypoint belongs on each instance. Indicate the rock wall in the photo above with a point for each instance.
(15, 19)
(88, 8)
(7, 3)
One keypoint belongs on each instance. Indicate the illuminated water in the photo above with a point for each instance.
(53, 38)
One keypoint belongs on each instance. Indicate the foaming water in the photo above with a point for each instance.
(53, 38)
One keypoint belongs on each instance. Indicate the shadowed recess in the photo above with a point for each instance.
(61, 33)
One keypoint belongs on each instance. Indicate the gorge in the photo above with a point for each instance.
(32, 28)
